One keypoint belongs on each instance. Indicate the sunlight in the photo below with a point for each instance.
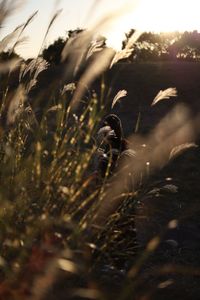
(171, 15)
(123, 15)
(158, 16)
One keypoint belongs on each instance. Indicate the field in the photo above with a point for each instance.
(159, 200)
(144, 80)
(69, 232)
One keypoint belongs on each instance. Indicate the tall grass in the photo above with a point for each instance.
(55, 212)
(47, 181)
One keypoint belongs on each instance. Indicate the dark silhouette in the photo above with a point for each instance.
(52, 54)
(112, 143)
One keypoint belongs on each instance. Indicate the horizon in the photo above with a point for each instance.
(139, 14)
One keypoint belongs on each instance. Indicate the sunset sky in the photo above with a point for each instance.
(145, 15)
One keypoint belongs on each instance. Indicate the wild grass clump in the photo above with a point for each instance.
(45, 180)
(48, 187)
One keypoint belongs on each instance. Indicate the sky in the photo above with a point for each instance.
(144, 15)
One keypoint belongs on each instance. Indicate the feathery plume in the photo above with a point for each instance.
(20, 42)
(68, 87)
(16, 105)
(41, 65)
(53, 19)
(55, 108)
(180, 149)
(122, 54)
(100, 64)
(29, 20)
(120, 94)
(32, 83)
(76, 49)
(19, 39)
(164, 94)
(127, 51)
(55, 16)
(4, 43)
(96, 46)
(36, 65)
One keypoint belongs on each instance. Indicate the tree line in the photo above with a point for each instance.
(174, 46)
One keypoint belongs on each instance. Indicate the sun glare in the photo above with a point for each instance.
(120, 17)
(171, 15)
(158, 16)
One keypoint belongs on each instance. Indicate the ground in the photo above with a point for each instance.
(171, 193)
(144, 80)
(169, 269)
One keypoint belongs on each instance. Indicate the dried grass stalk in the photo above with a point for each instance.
(19, 39)
(19, 42)
(120, 94)
(16, 105)
(9, 7)
(55, 16)
(4, 43)
(100, 64)
(36, 65)
(52, 21)
(127, 51)
(68, 87)
(180, 149)
(76, 50)
(176, 133)
(96, 46)
(164, 94)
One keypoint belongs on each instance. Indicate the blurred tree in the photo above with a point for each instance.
(5, 56)
(165, 46)
(187, 47)
(128, 35)
(73, 33)
(52, 54)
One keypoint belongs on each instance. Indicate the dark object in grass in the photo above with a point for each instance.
(112, 144)
(115, 140)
